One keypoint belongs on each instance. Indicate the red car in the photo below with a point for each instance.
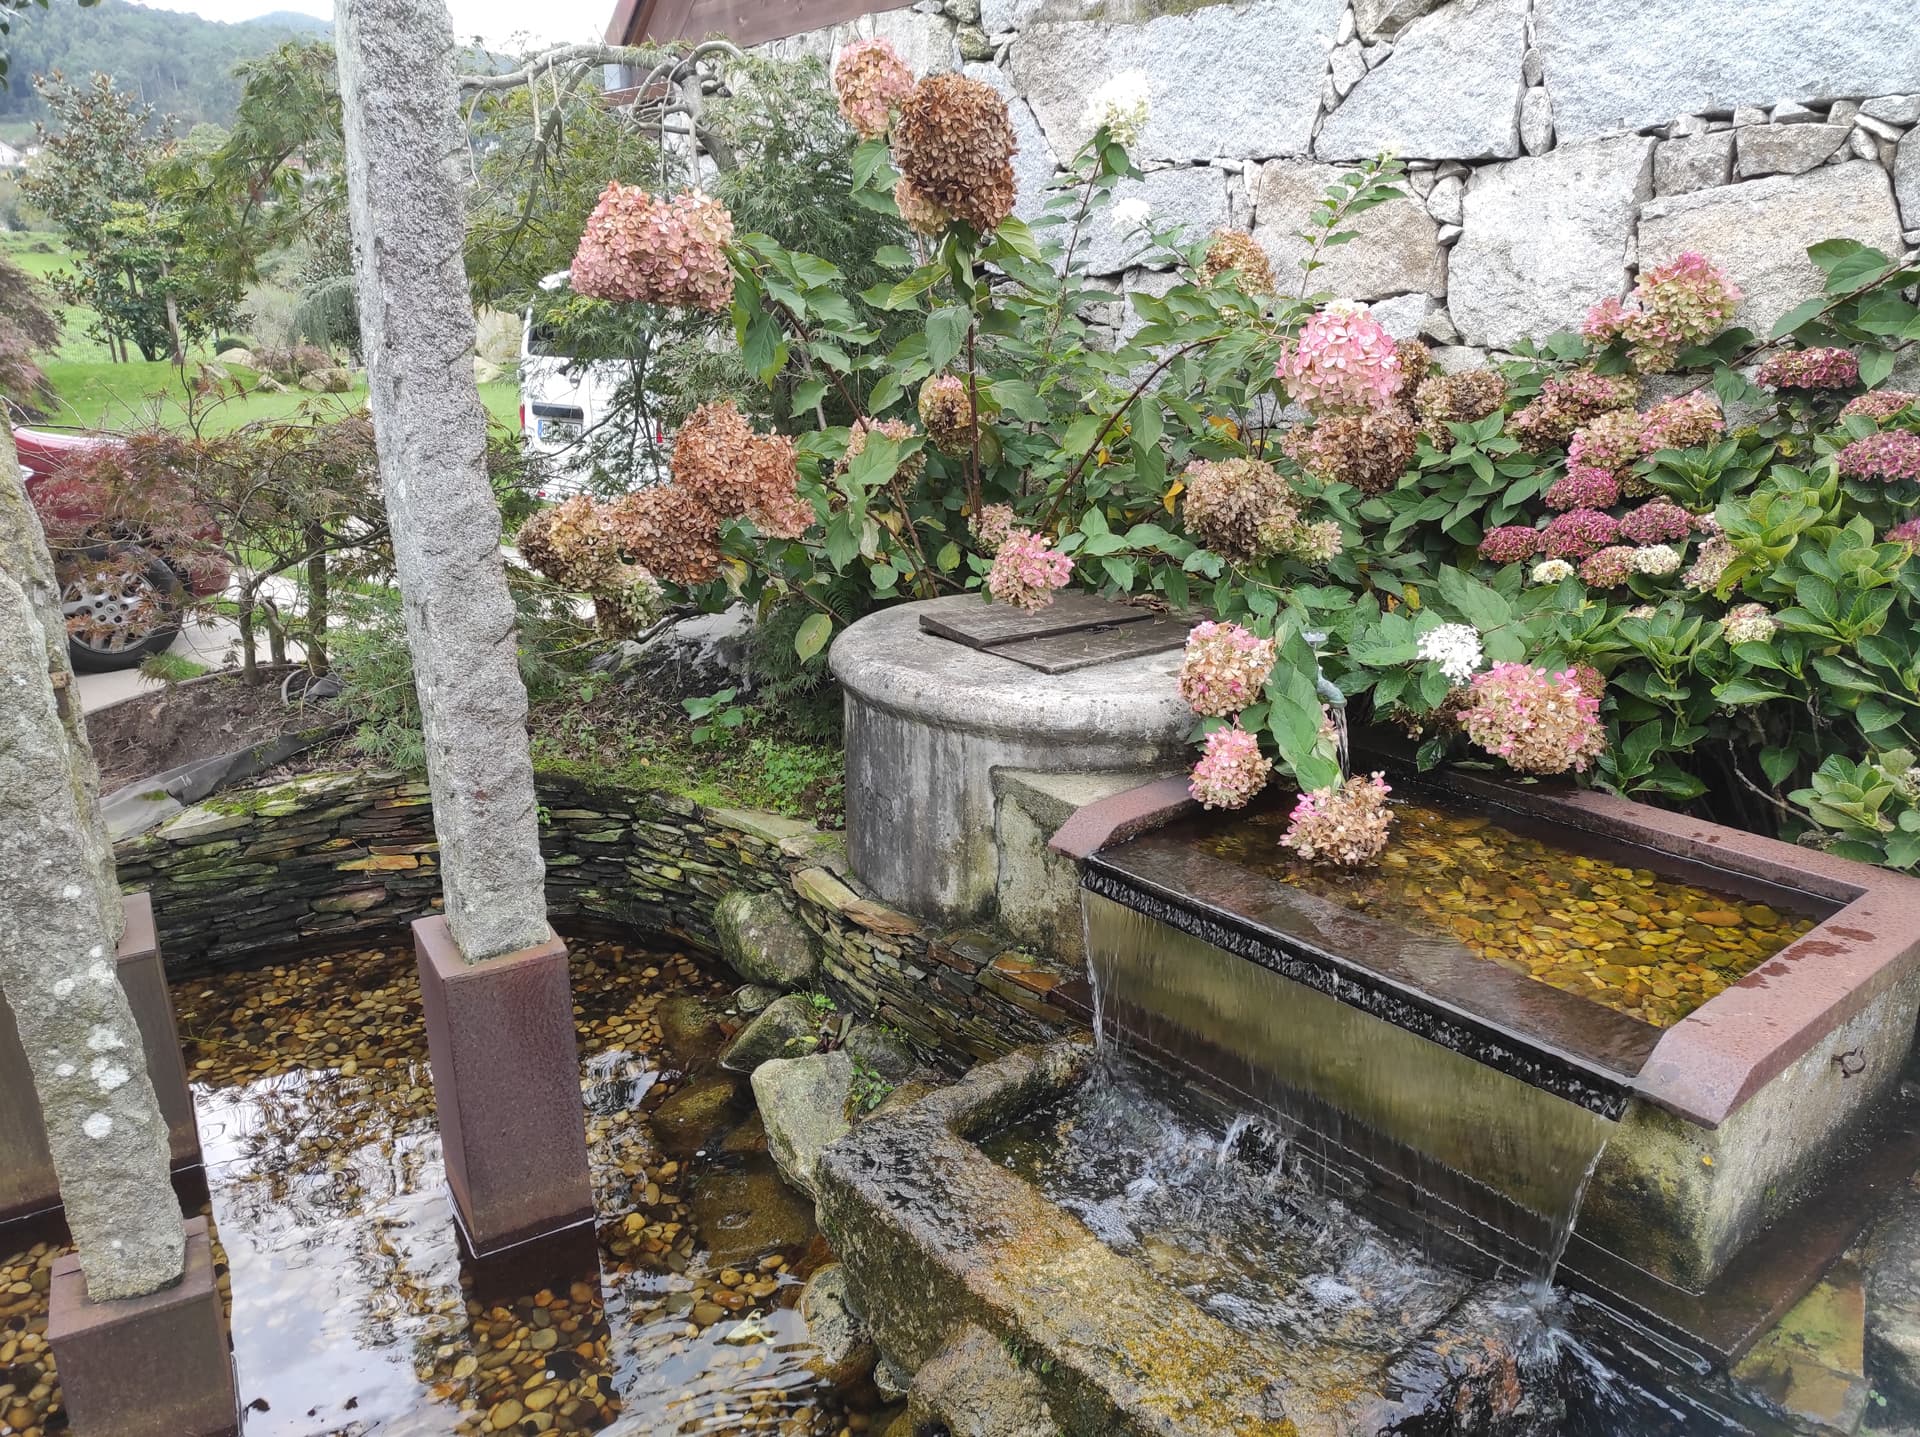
(122, 591)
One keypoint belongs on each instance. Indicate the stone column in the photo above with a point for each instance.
(23, 554)
(405, 187)
(500, 1033)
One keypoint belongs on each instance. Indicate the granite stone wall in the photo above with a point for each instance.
(254, 875)
(1554, 146)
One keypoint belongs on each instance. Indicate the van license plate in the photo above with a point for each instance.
(559, 431)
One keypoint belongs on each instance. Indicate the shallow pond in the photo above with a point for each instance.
(353, 1313)
(1643, 944)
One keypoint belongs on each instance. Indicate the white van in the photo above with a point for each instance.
(566, 405)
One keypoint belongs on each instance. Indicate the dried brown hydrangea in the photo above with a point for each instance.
(946, 413)
(1229, 500)
(570, 543)
(1462, 398)
(774, 502)
(1416, 363)
(667, 531)
(922, 215)
(954, 141)
(1235, 251)
(1565, 402)
(708, 455)
(1370, 451)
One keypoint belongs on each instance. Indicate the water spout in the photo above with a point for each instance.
(1335, 701)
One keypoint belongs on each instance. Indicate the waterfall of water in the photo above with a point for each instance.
(1561, 1233)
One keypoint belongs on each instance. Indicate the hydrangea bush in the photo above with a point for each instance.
(1651, 553)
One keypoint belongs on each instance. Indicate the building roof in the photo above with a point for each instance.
(745, 22)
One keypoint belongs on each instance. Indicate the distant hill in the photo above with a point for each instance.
(178, 63)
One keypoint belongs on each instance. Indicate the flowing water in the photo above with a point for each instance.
(353, 1313)
(1232, 1213)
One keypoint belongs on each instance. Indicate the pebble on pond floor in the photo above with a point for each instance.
(352, 1313)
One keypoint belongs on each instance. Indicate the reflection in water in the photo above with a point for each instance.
(353, 1314)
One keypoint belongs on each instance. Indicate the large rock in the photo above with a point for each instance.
(1694, 162)
(1759, 231)
(1383, 19)
(1228, 80)
(762, 941)
(1787, 149)
(803, 1102)
(1622, 64)
(787, 1028)
(695, 655)
(926, 42)
(843, 1351)
(1034, 164)
(976, 1388)
(1893, 1302)
(1192, 195)
(1450, 90)
(1906, 179)
(1545, 237)
(1395, 249)
(693, 1117)
(742, 1211)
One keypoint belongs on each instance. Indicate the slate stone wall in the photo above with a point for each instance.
(251, 876)
(1555, 146)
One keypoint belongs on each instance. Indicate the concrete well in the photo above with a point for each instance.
(929, 721)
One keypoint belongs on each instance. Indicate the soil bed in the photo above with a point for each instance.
(201, 718)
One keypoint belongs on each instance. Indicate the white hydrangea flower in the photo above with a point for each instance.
(1455, 648)
(1658, 560)
(1551, 571)
(1642, 611)
(1129, 215)
(1749, 624)
(1121, 106)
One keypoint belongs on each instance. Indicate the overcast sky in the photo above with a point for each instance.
(497, 22)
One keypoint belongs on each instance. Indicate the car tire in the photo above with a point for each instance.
(121, 603)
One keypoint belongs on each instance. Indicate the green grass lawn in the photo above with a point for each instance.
(94, 392)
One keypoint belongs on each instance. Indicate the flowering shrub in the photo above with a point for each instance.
(1026, 570)
(1810, 369)
(954, 145)
(1677, 305)
(1120, 106)
(1579, 533)
(667, 252)
(1235, 252)
(1454, 649)
(1342, 360)
(1231, 769)
(1583, 487)
(871, 82)
(1891, 455)
(1345, 825)
(1225, 668)
(1510, 544)
(1538, 721)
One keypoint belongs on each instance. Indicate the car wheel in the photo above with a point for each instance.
(121, 603)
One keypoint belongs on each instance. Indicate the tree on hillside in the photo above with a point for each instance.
(153, 278)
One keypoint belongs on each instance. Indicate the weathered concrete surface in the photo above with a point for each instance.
(762, 941)
(975, 1388)
(24, 556)
(1893, 1302)
(928, 720)
(104, 1125)
(405, 186)
(937, 1237)
(803, 1102)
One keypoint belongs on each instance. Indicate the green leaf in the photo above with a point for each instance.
(807, 394)
(946, 332)
(1875, 364)
(1020, 399)
(1778, 764)
(1790, 321)
(892, 256)
(841, 543)
(1737, 692)
(948, 559)
(813, 635)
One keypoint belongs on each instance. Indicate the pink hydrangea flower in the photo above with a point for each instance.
(1580, 532)
(1881, 405)
(1346, 824)
(1675, 305)
(1609, 567)
(1583, 487)
(1889, 456)
(1609, 441)
(1027, 570)
(1683, 423)
(1224, 669)
(1659, 521)
(640, 249)
(1538, 721)
(1810, 369)
(1905, 532)
(871, 81)
(1343, 360)
(1510, 544)
(993, 526)
(1231, 769)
